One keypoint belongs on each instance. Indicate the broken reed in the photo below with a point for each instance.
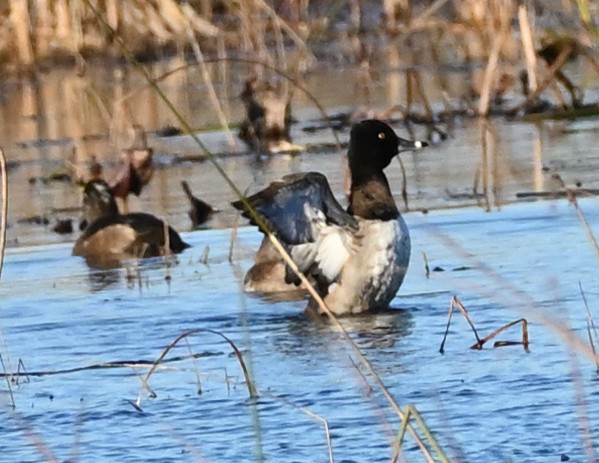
(480, 342)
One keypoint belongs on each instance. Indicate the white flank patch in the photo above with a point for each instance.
(332, 252)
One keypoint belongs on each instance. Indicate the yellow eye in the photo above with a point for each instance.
(381, 135)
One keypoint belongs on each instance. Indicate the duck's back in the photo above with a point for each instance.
(128, 235)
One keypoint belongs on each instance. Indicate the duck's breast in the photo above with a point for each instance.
(376, 269)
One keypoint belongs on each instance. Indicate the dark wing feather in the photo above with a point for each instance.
(282, 204)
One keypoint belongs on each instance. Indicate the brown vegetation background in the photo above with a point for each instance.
(48, 31)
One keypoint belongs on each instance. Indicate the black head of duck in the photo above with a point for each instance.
(357, 257)
(267, 123)
(111, 237)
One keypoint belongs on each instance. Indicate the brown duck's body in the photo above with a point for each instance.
(267, 275)
(266, 127)
(111, 237)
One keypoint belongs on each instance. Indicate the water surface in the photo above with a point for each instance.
(493, 405)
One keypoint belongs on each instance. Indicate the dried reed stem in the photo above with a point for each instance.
(427, 269)
(528, 45)
(195, 366)
(585, 425)
(525, 304)
(404, 183)
(480, 343)
(8, 378)
(455, 302)
(411, 411)
(19, 366)
(250, 384)
(485, 164)
(34, 438)
(20, 20)
(490, 71)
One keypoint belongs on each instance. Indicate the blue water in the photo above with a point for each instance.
(498, 404)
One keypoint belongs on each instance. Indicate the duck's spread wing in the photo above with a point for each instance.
(284, 206)
(303, 213)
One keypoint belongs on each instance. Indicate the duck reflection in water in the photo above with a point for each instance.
(373, 330)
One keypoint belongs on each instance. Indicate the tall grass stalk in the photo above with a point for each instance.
(4, 212)
(34, 438)
(412, 412)
(584, 421)
(3, 217)
(591, 330)
(212, 93)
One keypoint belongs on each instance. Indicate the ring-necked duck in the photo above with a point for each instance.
(111, 237)
(357, 257)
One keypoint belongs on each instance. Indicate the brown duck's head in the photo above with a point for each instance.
(136, 165)
(98, 201)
